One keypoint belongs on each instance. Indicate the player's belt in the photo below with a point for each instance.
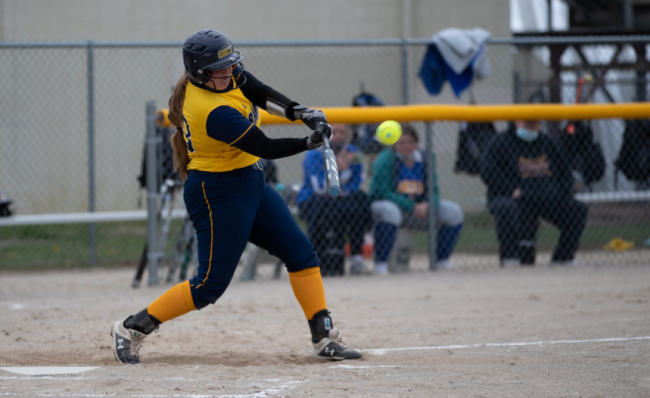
(259, 165)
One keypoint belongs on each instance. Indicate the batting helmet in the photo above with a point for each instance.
(208, 50)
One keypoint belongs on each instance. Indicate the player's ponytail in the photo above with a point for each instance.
(181, 158)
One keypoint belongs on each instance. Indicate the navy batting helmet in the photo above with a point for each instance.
(208, 50)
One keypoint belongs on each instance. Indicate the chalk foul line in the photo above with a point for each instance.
(382, 351)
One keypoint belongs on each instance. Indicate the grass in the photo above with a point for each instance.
(68, 245)
(479, 234)
(122, 243)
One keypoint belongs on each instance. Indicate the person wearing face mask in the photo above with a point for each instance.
(528, 177)
(399, 192)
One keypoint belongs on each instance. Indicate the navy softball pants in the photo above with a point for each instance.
(230, 209)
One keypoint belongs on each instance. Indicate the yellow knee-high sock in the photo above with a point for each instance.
(308, 288)
(173, 303)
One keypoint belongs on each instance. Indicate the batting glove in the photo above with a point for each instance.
(313, 118)
(315, 140)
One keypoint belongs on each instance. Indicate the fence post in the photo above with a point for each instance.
(153, 251)
(405, 71)
(92, 233)
(432, 230)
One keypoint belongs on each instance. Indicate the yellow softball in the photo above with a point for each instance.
(389, 132)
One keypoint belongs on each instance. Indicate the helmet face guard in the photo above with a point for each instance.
(208, 50)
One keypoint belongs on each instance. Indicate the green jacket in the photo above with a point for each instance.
(384, 181)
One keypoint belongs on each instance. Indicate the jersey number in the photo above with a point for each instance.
(188, 137)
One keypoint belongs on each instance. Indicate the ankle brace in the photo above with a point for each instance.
(142, 322)
(320, 325)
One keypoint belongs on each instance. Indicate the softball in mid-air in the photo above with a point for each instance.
(389, 132)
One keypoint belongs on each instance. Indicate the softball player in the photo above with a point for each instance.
(217, 147)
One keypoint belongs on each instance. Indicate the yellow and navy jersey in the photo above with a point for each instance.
(213, 123)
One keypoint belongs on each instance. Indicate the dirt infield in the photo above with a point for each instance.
(467, 332)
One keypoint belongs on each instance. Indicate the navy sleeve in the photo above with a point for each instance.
(227, 124)
(257, 143)
(258, 93)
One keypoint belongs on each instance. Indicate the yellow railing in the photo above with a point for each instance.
(477, 113)
(467, 113)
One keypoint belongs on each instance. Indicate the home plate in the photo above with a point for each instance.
(48, 370)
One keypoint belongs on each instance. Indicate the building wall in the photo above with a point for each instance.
(173, 20)
(44, 106)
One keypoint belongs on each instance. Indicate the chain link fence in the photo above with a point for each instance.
(72, 135)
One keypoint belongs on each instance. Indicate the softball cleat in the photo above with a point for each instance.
(126, 343)
(333, 347)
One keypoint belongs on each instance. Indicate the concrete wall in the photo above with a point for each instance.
(44, 102)
(173, 20)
